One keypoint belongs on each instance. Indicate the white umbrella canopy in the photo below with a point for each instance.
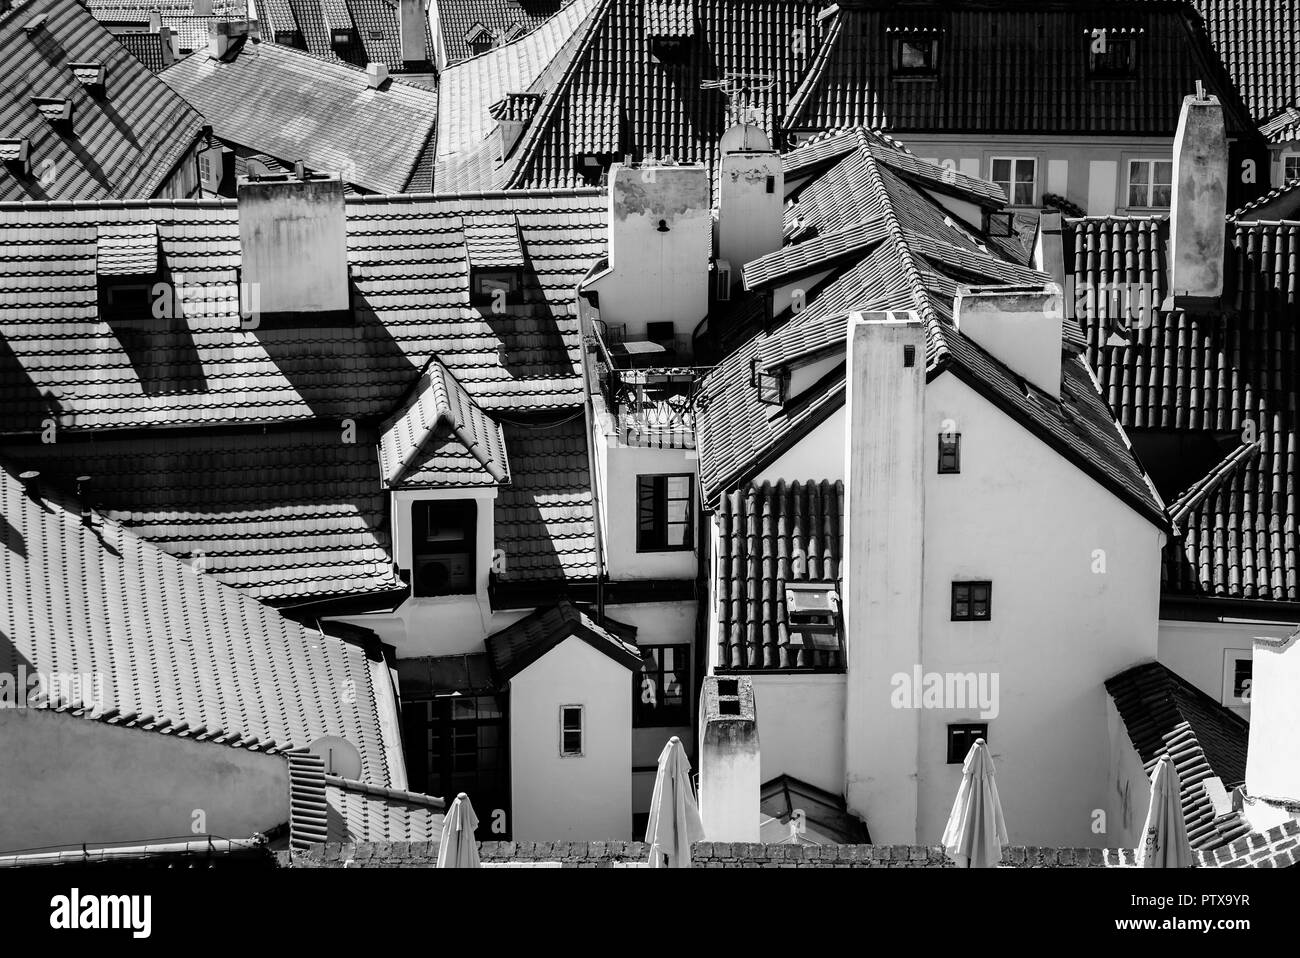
(674, 815)
(458, 849)
(976, 830)
(1164, 837)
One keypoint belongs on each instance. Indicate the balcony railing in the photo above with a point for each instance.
(653, 408)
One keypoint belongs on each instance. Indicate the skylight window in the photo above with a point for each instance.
(812, 611)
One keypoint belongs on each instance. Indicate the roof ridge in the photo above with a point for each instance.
(1221, 472)
(816, 71)
(596, 20)
(381, 791)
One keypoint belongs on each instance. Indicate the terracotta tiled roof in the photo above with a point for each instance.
(441, 438)
(284, 514)
(771, 534)
(1259, 43)
(918, 263)
(1283, 127)
(545, 517)
(327, 808)
(469, 90)
(410, 285)
(147, 48)
(280, 101)
(518, 646)
(1011, 68)
(126, 11)
(1229, 373)
(374, 25)
(178, 652)
(1280, 203)
(1165, 714)
(129, 138)
(826, 72)
(1278, 847)
(456, 18)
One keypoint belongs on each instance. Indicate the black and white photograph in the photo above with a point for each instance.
(668, 434)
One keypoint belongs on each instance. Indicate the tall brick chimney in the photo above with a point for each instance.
(293, 246)
(730, 776)
(884, 529)
(1200, 195)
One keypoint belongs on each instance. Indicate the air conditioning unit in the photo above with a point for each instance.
(449, 574)
(722, 281)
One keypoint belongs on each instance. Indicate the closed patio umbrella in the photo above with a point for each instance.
(674, 815)
(1164, 837)
(458, 848)
(976, 829)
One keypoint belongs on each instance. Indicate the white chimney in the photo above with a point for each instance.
(411, 23)
(1020, 326)
(660, 240)
(730, 781)
(155, 21)
(293, 246)
(376, 75)
(221, 35)
(1199, 202)
(882, 574)
(168, 51)
(1272, 759)
(751, 197)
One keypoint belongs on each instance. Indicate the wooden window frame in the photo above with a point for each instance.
(566, 729)
(970, 585)
(658, 538)
(1150, 162)
(663, 716)
(1011, 183)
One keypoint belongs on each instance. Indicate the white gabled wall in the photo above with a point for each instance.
(587, 798)
(1021, 515)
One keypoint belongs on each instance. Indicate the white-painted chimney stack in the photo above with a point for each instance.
(1197, 232)
(730, 777)
(1020, 326)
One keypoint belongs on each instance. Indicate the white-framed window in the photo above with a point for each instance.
(1237, 677)
(1018, 177)
(571, 731)
(1150, 183)
(1290, 167)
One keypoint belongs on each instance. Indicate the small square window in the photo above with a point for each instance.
(1111, 56)
(972, 601)
(949, 452)
(961, 738)
(916, 56)
(1238, 669)
(571, 731)
(1291, 167)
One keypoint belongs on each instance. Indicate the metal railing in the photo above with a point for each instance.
(654, 408)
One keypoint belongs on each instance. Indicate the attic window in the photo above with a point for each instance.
(15, 154)
(590, 168)
(812, 615)
(90, 74)
(479, 38)
(55, 109)
(915, 55)
(771, 384)
(126, 266)
(1112, 54)
(290, 38)
(489, 287)
(341, 38)
(496, 259)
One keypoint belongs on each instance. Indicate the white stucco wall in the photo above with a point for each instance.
(820, 455)
(801, 728)
(1273, 760)
(660, 623)
(623, 464)
(1195, 651)
(1091, 172)
(1058, 629)
(579, 798)
(1128, 787)
(67, 780)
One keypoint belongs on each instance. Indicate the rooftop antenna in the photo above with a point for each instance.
(741, 91)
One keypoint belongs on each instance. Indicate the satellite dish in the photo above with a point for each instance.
(340, 756)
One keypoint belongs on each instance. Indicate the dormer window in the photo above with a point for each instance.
(127, 266)
(770, 383)
(443, 538)
(1111, 56)
(341, 38)
(915, 55)
(491, 286)
(479, 38)
(812, 615)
